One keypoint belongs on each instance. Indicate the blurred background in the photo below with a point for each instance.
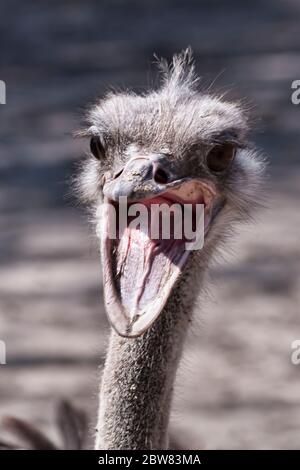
(237, 387)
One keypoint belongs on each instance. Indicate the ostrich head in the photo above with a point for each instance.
(175, 144)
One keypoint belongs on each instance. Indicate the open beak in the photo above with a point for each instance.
(139, 271)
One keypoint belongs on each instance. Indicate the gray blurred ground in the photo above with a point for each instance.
(237, 387)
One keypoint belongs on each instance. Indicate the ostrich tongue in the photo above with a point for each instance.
(146, 274)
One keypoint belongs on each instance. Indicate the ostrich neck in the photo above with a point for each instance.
(138, 379)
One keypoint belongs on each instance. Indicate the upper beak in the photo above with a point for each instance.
(142, 177)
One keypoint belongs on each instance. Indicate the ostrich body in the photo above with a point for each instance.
(179, 144)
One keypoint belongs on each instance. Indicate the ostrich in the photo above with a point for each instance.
(175, 143)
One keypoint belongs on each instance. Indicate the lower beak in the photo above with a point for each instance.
(139, 272)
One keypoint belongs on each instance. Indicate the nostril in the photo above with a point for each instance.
(160, 176)
(118, 173)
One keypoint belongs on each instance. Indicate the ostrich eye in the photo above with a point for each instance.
(220, 157)
(97, 148)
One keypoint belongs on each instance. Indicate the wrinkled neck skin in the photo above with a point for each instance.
(139, 373)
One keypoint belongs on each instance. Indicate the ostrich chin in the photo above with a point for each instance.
(140, 271)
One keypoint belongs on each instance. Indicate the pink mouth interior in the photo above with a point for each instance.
(144, 265)
(140, 271)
